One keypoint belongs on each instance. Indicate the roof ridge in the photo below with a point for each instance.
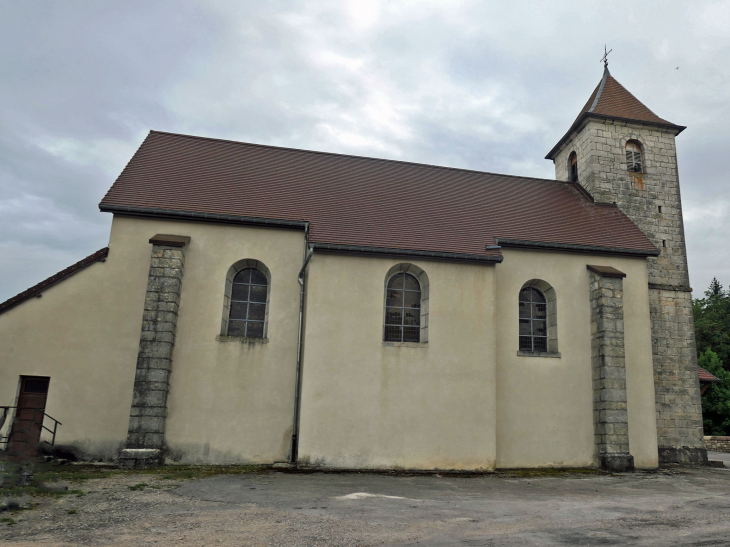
(319, 152)
(606, 74)
(36, 289)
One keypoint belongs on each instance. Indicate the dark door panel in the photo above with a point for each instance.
(26, 431)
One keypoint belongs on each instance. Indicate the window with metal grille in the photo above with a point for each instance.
(248, 304)
(573, 167)
(633, 157)
(533, 320)
(403, 309)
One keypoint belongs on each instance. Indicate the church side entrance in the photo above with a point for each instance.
(26, 431)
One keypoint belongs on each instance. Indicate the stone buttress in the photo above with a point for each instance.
(146, 435)
(608, 356)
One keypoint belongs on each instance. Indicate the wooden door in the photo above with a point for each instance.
(26, 431)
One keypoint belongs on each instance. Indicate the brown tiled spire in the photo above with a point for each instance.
(612, 100)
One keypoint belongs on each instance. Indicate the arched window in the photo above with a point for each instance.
(246, 311)
(538, 328)
(248, 304)
(403, 309)
(406, 304)
(634, 162)
(533, 320)
(573, 167)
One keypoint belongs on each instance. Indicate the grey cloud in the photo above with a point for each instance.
(478, 85)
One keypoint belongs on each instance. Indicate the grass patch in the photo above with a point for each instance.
(34, 490)
(8, 521)
(47, 472)
(74, 474)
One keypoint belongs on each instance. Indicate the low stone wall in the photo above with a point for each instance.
(718, 444)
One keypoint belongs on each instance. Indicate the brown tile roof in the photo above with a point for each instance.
(615, 101)
(707, 377)
(36, 290)
(612, 100)
(365, 202)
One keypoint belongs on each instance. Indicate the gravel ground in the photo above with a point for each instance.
(669, 507)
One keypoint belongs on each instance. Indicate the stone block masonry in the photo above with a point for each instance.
(676, 383)
(146, 434)
(610, 414)
(652, 201)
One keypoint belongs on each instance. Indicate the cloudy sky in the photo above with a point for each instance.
(475, 84)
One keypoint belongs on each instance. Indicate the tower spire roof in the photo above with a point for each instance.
(611, 100)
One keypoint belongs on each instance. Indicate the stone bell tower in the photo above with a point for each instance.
(623, 153)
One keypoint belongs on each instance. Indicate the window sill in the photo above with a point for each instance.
(405, 344)
(242, 340)
(553, 354)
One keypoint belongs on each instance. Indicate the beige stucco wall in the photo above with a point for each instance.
(84, 334)
(229, 402)
(545, 405)
(370, 405)
(464, 400)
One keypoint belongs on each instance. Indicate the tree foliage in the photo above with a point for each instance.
(712, 322)
(716, 400)
(712, 328)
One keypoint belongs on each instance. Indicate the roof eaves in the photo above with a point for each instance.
(358, 249)
(204, 217)
(713, 379)
(36, 290)
(570, 247)
(576, 124)
(586, 115)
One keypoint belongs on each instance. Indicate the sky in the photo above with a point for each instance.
(480, 85)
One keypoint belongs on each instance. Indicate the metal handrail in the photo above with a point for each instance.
(5, 439)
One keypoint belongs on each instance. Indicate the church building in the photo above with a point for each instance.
(258, 304)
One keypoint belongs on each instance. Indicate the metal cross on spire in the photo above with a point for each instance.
(604, 59)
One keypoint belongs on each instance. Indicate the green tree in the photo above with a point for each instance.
(712, 328)
(716, 400)
(712, 322)
(715, 289)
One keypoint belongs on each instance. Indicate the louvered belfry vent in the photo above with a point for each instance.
(633, 158)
